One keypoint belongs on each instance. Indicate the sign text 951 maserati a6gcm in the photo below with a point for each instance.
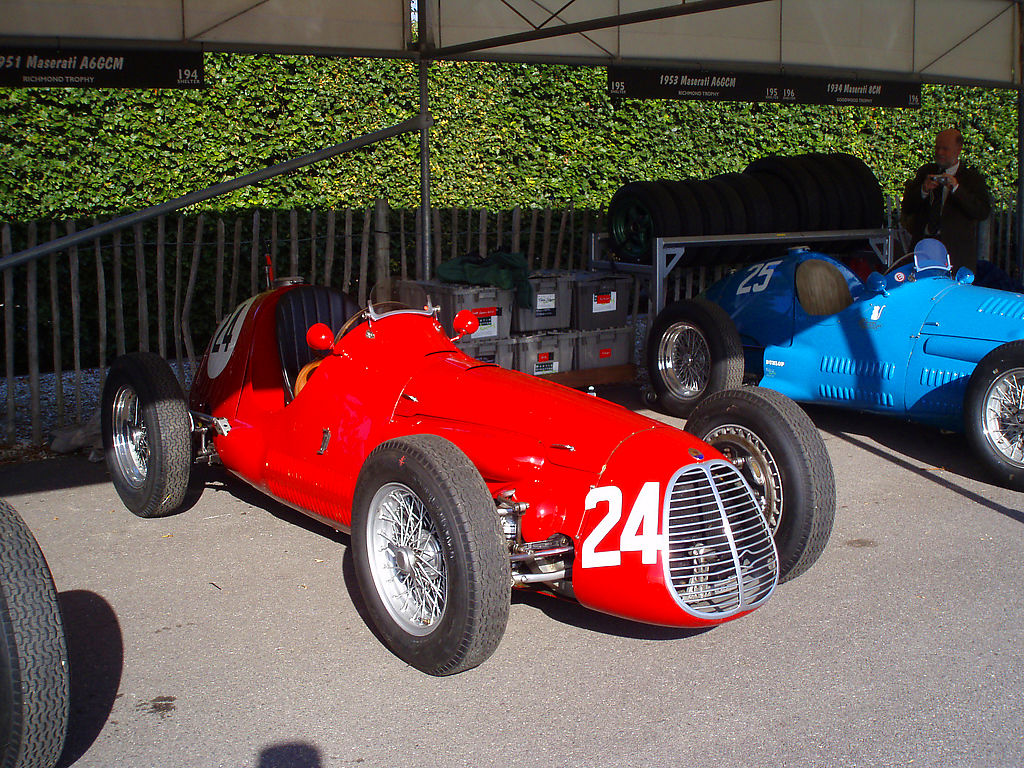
(459, 480)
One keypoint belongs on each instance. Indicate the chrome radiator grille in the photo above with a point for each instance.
(722, 558)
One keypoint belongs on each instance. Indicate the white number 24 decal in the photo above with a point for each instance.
(639, 534)
(762, 274)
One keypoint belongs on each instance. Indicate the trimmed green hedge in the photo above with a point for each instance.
(504, 135)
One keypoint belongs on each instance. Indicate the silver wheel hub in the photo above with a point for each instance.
(405, 558)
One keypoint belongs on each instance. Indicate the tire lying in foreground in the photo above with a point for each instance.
(781, 454)
(430, 555)
(993, 415)
(693, 350)
(147, 434)
(34, 679)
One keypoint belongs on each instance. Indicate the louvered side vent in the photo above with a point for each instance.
(722, 558)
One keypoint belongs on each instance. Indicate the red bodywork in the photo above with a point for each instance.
(585, 467)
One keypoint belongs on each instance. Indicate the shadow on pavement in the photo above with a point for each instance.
(96, 657)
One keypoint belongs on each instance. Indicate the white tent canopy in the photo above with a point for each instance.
(969, 41)
(958, 41)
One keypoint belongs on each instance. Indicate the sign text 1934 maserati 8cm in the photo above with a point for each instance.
(459, 480)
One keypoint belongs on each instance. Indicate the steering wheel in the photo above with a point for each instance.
(903, 260)
(362, 314)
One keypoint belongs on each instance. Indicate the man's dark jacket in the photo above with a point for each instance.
(958, 229)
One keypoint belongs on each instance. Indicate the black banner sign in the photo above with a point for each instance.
(100, 68)
(704, 85)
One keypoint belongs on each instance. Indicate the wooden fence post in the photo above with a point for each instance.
(101, 306)
(329, 249)
(161, 287)
(32, 302)
(76, 321)
(5, 249)
(118, 297)
(176, 320)
(140, 282)
(236, 252)
(218, 276)
(58, 379)
(382, 249)
(293, 250)
(364, 255)
(254, 263)
(186, 310)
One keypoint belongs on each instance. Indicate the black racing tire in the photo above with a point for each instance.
(713, 214)
(824, 187)
(430, 556)
(801, 185)
(691, 217)
(844, 183)
(638, 213)
(872, 200)
(735, 218)
(757, 209)
(34, 677)
(993, 418)
(785, 214)
(147, 434)
(693, 350)
(780, 452)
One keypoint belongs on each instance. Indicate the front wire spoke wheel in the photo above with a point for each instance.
(407, 565)
(1004, 417)
(751, 457)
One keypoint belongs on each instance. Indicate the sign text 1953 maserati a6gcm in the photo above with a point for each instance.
(917, 343)
(459, 480)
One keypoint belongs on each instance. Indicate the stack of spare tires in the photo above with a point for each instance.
(805, 193)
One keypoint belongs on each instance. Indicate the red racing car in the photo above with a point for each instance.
(458, 480)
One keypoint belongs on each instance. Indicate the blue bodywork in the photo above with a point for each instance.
(906, 345)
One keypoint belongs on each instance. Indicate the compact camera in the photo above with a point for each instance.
(941, 180)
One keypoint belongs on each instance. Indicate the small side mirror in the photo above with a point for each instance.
(320, 337)
(964, 276)
(876, 284)
(465, 324)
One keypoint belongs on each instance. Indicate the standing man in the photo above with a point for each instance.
(946, 200)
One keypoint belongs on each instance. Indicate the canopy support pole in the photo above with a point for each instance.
(1018, 247)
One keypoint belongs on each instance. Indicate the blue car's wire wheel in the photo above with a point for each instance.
(693, 350)
(994, 413)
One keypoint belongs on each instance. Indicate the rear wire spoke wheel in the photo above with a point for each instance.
(147, 434)
(34, 675)
(779, 451)
(430, 556)
(994, 413)
(693, 350)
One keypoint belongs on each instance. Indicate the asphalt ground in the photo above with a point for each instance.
(233, 634)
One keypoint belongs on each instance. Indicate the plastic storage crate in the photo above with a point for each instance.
(492, 306)
(604, 347)
(544, 353)
(552, 304)
(600, 300)
(498, 351)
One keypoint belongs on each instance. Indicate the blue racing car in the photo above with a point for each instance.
(918, 343)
